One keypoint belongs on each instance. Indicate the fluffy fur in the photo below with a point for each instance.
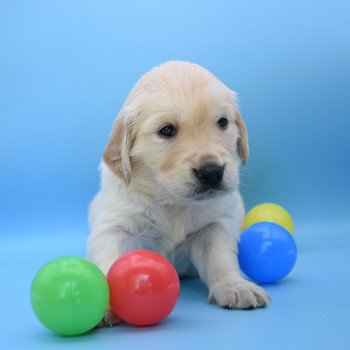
(150, 197)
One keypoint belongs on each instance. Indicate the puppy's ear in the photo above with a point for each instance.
(242, 143)
(117, 152)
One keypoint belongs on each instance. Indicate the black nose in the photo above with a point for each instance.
(209, 174)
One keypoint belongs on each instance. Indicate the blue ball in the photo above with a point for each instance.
(267, 252)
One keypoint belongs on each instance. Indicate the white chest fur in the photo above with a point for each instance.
(154, 226)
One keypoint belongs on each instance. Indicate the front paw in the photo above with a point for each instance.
(239, 294)
(109, 320)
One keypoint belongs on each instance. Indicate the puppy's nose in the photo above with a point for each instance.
(209, 174)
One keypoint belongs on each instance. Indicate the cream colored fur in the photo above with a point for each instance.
(147, 198)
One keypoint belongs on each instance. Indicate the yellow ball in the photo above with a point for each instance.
(269, 212)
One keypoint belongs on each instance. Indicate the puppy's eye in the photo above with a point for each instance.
(167, 131)
(222, 123)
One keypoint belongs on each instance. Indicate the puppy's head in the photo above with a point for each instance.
(178, 135)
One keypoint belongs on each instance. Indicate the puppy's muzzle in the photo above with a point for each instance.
(209, 176)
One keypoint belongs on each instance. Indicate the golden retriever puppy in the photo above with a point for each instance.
(170, 178)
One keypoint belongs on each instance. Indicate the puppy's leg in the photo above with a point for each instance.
(110, 319)
(103, 249)
(214, 254)
(182, 261)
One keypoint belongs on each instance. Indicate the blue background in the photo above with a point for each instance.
(65, 70)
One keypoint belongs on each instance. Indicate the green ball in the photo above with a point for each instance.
(69, 295)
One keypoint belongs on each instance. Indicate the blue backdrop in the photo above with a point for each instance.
(65, 70)
(67, 66)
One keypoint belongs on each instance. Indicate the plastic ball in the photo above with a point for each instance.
(144, 287)
(69, 295)
(269, 212)
(267, 252)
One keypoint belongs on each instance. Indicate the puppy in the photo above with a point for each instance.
(169, 182)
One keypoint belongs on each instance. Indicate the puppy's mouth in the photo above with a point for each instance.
(204, 193)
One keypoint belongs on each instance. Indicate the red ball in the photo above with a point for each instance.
(144, 287)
